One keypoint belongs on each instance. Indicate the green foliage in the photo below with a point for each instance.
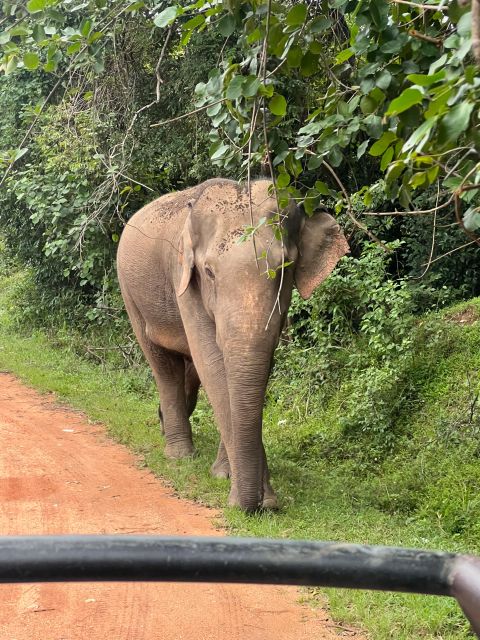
(92, 162)
(406, 94)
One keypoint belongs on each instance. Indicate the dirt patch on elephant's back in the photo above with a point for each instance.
(59, 474)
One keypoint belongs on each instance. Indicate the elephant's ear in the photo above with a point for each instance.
(186, 256)
(321, 246)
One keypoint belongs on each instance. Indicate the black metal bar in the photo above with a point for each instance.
(151, 558)
(246, 560)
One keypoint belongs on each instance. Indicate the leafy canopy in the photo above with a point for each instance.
(307, 89)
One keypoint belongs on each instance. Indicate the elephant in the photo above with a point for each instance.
(206, 308)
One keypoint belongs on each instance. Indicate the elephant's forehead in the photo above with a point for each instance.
(229, 239)
(232, 205)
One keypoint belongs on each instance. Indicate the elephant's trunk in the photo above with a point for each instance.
(247, 372)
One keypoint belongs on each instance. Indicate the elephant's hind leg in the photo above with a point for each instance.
(168, 369)
(192, 384)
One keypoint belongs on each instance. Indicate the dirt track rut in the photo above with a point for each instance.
(58, 475)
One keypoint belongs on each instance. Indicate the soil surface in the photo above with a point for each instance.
(59, 474)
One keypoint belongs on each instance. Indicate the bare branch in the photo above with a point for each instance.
(417, 5)
(438, 42)
(187, 115)
(444, 255)
(356, 222)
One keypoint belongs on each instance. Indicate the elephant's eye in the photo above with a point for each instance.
(209, 273)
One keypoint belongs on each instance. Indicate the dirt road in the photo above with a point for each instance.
(59, 474)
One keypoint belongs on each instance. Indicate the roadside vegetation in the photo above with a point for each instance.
(366, 109)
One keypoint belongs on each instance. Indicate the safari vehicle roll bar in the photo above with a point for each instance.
(242, 560)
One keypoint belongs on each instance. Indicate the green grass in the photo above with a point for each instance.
(423, 493)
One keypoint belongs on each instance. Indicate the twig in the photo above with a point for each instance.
(427, 7)
(444, 255)
(160, 60)
(187, 115)
(417, 212)
(356, 222)
(423, 36)
(433, 237)
(253, 124)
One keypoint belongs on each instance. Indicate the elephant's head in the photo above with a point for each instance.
(246, 304)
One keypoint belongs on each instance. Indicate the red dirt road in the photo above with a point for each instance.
(58, 475)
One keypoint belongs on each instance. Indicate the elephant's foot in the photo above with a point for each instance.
(269, 500)
(220, 468)
(178, 450)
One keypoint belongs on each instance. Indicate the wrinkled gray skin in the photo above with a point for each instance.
(200, 304)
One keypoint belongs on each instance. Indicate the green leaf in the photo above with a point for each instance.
(19, 30)
(74, 48)
(344, 55)
(420, 135)
(38, 33)
(219, 152)
(426, 80)
(11, 65)
(322, 188)
(85, 27)
(320, 24)
(335, 156)
(471, 219)
(294, 56)
(31, 60)
(464, 25)
(283, 180)
(166, 17)
(386, 158)
(234, 89)
(418, 179)
(4, 37)
(250, 86)
(226, 25)
(314, 162)
(193, 23)
(405, 100)
(379, 147)
(455, 122)
(34, 6)
(214, 109)
(362, 148)
(18, 153)
(383, 79)
(135, 5)
(309, 64)
(278, 105)
(296, 16)
(267, 90)
(368, 105)
(438, 64)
